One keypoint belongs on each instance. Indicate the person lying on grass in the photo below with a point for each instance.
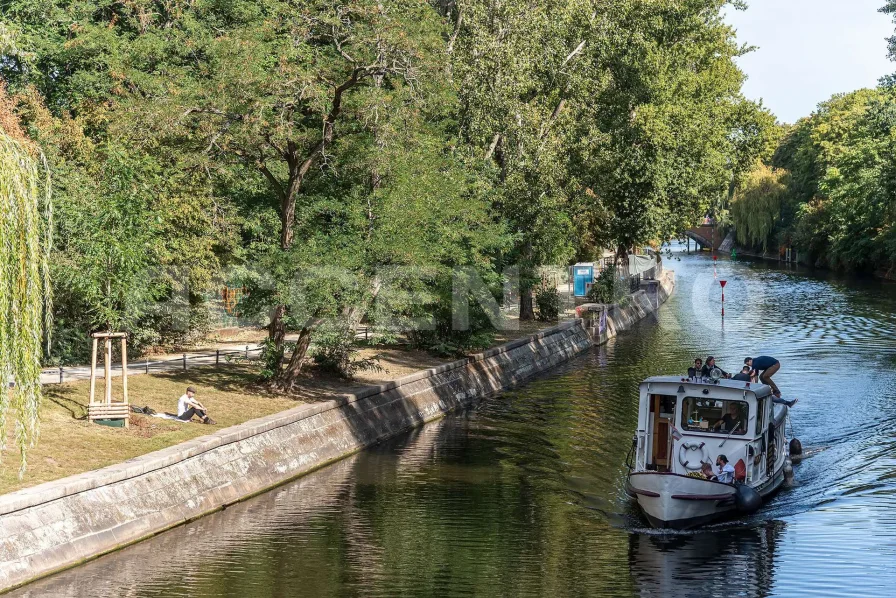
(188, 406)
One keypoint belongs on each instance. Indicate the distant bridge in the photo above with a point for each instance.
(705, 236)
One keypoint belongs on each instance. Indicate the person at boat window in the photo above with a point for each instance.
(695, 371)
(710, 365)
(731, 421)
(726, 470)
(744, 375)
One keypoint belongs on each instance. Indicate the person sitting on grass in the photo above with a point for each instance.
(188, 406)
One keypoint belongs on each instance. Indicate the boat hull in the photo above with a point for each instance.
(674, 501)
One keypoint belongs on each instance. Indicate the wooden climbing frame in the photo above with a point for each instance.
(106, 408)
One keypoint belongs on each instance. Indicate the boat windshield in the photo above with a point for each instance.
(699, 414)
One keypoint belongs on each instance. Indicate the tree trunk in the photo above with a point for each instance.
(527, 308)
(299, 164)
(286, 380)
(277, 333)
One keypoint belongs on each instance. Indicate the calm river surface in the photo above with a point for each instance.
(522, 496)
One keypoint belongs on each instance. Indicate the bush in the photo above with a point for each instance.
(443, 337)
(608, 288)
(333, 349)
(547, 301)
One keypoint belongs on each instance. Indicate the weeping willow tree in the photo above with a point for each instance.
(24, 287)
(756, 207)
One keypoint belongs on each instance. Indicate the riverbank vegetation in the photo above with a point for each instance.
(343, 161)
(828, 189)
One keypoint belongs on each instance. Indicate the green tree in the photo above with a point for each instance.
(662, 141)
(24, 279)
(756, 205)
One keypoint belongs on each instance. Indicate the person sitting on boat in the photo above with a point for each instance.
(708, 472)
(726, 470)
(731, 421)
(695, 371)
(744, 375)
(766, 367)
(710, 366)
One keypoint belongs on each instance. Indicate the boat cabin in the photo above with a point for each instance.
(685, 422)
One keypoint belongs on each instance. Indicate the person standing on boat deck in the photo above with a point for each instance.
(726, 470)
(710, 365)
(766, 367)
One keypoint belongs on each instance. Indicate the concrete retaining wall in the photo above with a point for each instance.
(62, 523)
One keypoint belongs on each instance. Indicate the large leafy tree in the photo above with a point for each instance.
(521, 72)
(666, 136)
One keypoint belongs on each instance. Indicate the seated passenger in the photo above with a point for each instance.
(744, 375)
(707, 472)
(695, 371)
(726, 470)
(710, 364)
(731, 421)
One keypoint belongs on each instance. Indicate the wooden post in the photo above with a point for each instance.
(105, 408)
(61, 374)
(217, 356)
(124, 369)
(93, 372)
(185, 362)
(108, 371)
(247, 351)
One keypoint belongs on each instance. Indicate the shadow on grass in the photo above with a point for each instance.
(76, 408)
(313, 385)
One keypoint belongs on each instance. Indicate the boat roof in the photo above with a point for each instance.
(757, 388)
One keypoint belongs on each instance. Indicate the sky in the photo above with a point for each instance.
(808, 50)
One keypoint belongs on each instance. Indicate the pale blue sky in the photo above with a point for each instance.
(809, 50)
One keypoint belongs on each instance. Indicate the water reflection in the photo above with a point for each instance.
(522, 496)
(735, 562)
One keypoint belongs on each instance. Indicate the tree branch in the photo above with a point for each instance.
(491, 149)
(457, 26)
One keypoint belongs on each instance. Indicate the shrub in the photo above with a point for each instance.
(547, 301)
(333, 349)
(608, 288)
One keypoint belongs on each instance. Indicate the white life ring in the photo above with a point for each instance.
(691, 464)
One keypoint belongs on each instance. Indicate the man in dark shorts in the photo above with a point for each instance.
(767, 367)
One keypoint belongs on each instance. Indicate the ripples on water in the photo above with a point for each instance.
(522, 496)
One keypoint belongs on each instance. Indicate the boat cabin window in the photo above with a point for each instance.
(700, 414)
(760, 416)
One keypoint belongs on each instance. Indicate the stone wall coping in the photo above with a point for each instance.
(143, 464)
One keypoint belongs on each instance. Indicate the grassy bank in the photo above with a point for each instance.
(69, 444)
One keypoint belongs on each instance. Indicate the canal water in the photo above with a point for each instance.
(522, 496)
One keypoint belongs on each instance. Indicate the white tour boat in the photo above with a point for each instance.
(686, 422)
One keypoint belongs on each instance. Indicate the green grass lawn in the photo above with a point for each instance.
(69, 444)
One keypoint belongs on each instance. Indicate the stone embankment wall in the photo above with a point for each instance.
(62, 523)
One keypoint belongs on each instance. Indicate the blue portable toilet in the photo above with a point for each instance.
(583, 278)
